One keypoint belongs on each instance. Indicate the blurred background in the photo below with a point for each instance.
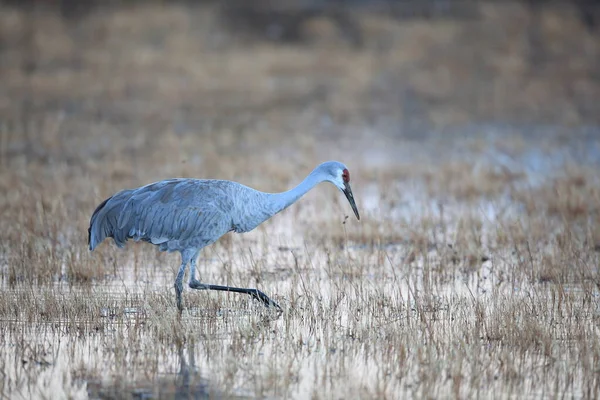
(128, 92)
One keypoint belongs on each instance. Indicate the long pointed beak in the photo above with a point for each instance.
(348, 192)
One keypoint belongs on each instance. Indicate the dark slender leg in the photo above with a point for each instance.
(257, 294)
(196, 284)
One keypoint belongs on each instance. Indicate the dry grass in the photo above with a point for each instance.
(473, 273)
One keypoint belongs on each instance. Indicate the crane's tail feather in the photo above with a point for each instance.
(104, 221)
(93, 239)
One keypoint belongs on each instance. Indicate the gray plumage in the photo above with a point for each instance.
(186, 215)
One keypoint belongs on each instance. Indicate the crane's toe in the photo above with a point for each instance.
(266, 300)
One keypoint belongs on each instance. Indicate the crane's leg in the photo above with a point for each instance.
(185, 258)
(257, 294)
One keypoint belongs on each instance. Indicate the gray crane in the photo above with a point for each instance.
(187, 215)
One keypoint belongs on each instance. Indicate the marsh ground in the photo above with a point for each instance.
(472, 139)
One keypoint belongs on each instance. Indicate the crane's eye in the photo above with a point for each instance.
(346, 176)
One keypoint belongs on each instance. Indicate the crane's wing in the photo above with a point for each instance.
(175, 214)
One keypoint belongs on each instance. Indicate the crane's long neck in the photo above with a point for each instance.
(283, 200)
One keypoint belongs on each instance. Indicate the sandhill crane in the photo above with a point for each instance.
(187, 215)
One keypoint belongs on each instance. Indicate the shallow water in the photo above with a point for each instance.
(124, 348)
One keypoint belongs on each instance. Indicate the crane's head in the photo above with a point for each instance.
(338, 174)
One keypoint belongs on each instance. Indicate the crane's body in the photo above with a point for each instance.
(187, 215)
(177, 214)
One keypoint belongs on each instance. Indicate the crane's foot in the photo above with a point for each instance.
(266, 300)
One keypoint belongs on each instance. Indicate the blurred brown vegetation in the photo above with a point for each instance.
(422, 65)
